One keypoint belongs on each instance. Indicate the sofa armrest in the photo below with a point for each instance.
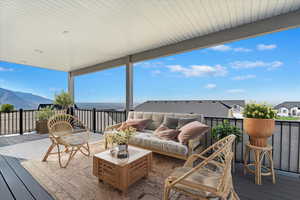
(196, 145)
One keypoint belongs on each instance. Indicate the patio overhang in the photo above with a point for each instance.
(81, 37)
(87, 36)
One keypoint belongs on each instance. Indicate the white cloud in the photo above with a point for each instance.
(256, 64)
(150, 64)
(263, 47)
(4, 69)
(156, 72)
(210, 86)
(221, 48)
(244, 77)
(229, 48)
(199, 70)
(242, 49)
(234, 91)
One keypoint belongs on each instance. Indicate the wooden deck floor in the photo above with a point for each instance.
(17, 184)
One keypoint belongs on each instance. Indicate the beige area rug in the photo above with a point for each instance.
(77, 182)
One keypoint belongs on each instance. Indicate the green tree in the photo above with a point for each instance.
(63, 99)
(7, 107)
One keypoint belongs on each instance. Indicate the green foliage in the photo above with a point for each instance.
(261, 111)
(63, 99)
(7, 108)
(45, 113)
(288, 118)
(225, 129)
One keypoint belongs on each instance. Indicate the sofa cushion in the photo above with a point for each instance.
(184, 121)
(166, 133)
(191, 130)
(139, 124)
(157, 120)
(171, 122)
(149, 140)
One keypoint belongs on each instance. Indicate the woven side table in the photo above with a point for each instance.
(259, 169)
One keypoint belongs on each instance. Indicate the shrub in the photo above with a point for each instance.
(7, 107)
(225, 129)
(63, 99)
(261, 111)
(45, 113)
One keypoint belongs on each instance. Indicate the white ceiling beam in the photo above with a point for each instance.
(273, 24)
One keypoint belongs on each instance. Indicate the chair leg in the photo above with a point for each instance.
(166, 193)
(235, 195)
(48, 152)
(71, 155)
(272, 167)
(87, 149)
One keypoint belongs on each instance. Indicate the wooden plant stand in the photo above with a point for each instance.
(259, 154)
(121, 173)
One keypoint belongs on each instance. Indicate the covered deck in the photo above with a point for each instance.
(17, 183)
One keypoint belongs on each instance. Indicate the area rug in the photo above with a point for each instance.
(77, 182)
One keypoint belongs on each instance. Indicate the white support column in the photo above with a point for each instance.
(71, 85)
(129, 85)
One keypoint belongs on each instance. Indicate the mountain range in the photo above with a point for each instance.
(21, 99)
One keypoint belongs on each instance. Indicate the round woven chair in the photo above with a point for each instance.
(68, 132)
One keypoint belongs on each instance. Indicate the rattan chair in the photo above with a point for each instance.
(68, 132)
(210, 178)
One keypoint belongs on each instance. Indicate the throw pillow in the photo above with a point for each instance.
(191, 130)
(166, 133)
(184, 121)
(138, 124)
(171, 122)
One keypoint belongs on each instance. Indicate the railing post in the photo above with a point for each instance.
(21, 121)
(94, 120)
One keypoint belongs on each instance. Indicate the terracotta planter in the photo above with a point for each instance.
(42, 126)
(259, 130)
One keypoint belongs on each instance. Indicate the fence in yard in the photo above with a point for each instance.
(285, 141)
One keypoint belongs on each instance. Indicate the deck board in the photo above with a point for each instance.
(16, 186)
(36, 190)
(4, 191)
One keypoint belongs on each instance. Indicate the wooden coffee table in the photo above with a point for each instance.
(121, 173)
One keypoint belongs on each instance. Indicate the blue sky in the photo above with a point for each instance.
(264, 68)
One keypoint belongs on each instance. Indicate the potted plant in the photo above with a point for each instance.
(121, 138)
(225, 129)
(259, 123)
(63, 99)
(42, 119)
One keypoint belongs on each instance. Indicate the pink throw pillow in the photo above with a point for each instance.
(138, 124)
(166, 133)
(191, 130)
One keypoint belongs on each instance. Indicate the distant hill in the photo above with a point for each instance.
(21, 99)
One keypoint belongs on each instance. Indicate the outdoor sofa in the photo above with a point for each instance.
(147, 140)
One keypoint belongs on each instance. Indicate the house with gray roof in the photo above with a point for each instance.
(288, 108)
(209, 108)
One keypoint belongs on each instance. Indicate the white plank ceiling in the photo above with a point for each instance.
(72, 34)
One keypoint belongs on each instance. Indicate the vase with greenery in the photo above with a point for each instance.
(7, 108)
(259, 123)
(222, 130)
(63, 99)
(42, 117)
(121, 138)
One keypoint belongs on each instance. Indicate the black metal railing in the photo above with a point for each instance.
(98, 120)
(17, 121)
(285, 141)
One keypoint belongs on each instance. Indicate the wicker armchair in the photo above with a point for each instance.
(67, 131)
(210, 178)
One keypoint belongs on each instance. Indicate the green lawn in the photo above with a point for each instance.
(287, 118)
